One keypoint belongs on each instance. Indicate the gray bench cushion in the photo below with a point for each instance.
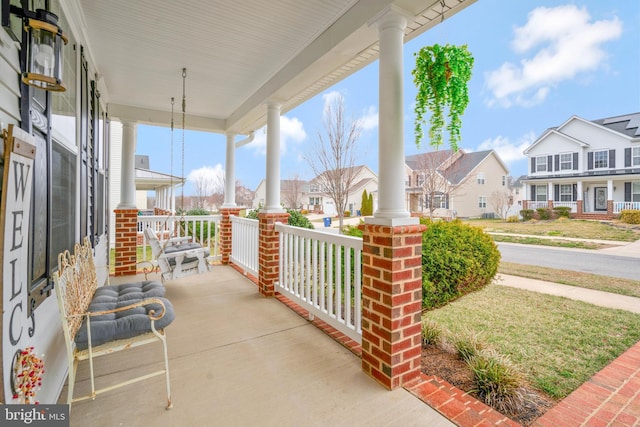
(170, 249)
(128, 323)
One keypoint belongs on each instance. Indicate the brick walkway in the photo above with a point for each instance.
(610, 398)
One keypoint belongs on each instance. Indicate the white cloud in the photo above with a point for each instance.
(369, 119)
(291, 131)
(207, 179)
(568, 43)
(330, 98)
(508, 151)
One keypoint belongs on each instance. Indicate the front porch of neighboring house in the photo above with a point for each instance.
(587, 199)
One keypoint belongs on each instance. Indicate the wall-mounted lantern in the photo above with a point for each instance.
(44, 46)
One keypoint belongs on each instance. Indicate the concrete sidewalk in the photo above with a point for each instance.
(591, 296)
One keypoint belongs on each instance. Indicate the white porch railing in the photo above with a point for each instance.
(204, 228)
(537, 205)
(623, 206)
(572, 205)
(322, 272)
(244, 244)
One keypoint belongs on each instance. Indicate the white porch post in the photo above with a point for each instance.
(579, 190)
(128, 172)
(391, 166)
(550, 195)
(273, 159)
(609, 189)
(229, 173)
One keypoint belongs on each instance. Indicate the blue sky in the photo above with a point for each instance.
(537, 63)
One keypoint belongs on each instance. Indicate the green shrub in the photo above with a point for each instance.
(527, 214)
(456, 259)
(347, 214)
(190, 230)
(513, 218)
(630, 216)
(543, 213)
(468, 344)
(296, 219)
(497, 382)
(352, 230)
(432, 332)
(562, 211)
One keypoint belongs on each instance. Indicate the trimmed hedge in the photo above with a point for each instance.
(456, 259)
(630, 216)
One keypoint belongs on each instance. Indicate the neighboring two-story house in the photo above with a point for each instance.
(593, 167)
(318, 200)
(448, 184)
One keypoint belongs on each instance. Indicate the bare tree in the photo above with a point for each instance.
(244, 196)
(501, 201)
(332, 159)
(435, 175)
(292, 192)
(207, 181)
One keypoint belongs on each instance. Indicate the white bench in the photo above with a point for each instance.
(102, 320)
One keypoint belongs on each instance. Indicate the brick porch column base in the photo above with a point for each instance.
(610, 207)
(225, 232)
(392, 302)
(126, 241)
(579, 208)
(269, 251)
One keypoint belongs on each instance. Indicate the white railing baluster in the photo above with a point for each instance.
(244, 244)
(322, 273)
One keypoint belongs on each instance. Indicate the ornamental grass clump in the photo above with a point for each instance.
(468, 344)
(497, 382)
(432, 332)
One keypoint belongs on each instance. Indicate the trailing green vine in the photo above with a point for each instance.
(441, 75)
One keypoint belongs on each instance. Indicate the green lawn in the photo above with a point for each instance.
(558, 343)
(562, 228)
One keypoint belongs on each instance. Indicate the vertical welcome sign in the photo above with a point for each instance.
(15, 209)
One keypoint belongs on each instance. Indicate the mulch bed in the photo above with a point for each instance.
(450, 368)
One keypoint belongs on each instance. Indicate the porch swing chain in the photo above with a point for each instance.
(184, 108)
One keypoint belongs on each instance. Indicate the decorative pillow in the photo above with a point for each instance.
(128, 323)
(171, 249)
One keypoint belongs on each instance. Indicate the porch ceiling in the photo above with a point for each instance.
(238, 54)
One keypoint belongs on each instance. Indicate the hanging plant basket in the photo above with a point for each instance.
(441, 76)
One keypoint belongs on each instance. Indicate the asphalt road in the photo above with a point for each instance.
(587, 261)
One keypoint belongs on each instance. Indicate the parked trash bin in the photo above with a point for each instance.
(358, 211)
(327, 222)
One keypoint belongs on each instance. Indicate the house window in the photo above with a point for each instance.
(541, 193)
(566, 162)
(482, 202)
(480, 178)
(566, 193)
(635, 156)
(541, 164)
(440, 201)
(635, 192)
(504, 180)
(420, 180)
(601, 159)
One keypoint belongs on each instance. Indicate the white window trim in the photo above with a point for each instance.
(606, 159)
(541, 166)
(566, 165)
(564, 195)
(635, 156)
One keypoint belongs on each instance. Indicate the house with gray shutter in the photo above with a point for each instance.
(591, 166)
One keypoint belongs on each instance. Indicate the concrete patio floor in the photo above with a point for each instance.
(239, 359)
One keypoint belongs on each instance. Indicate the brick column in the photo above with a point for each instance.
(392, 302)
(269, 251)
(225, 232)
(579, 207)
(126, 241)
(610, 207)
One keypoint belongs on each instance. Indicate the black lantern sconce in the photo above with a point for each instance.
(44, 46)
